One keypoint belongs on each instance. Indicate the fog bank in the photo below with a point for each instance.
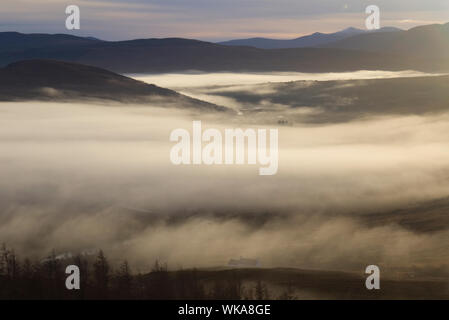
(78, 176)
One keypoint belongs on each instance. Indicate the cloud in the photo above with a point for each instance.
(232, 80)
(78, 176)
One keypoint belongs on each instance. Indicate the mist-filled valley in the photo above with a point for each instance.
(354, 186)
(79, 176)
(290, 98)
(239, 151)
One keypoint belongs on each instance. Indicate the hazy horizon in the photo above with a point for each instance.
(213, 20)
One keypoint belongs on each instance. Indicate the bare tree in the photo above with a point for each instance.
(101, 274)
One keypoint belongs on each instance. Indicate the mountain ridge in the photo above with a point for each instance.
(311, 40)
(425, 41)
(393, 51)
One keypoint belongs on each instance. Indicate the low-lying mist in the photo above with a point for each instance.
(199, 79)
(79, 176)
(311, 97)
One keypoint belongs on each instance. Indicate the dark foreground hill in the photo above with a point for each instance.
(63, 81)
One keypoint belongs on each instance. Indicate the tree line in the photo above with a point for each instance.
(26, 279)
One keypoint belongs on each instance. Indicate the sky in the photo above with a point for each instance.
(213, 20)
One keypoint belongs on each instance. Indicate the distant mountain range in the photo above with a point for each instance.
(19, 42)
(423, 48)
(430, 41)
(312, 40)
(64, 81)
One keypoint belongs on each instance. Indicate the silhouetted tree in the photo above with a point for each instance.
(289, 293)
(54, 277)
(124, 283)
(85, 284)
(101, 274)
(261, 291)
(159, 284)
